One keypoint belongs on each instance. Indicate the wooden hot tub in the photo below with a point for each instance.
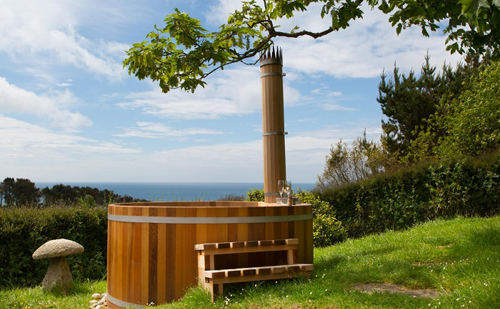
(151, 256)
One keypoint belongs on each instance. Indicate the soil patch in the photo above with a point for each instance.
(393, 288)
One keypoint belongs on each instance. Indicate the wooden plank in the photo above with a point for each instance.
(233, 273)
(248, 272)
(188, 252)
(238, 244)
(153, 259)
(214, 274)
(263, 270)
(223, 245)
(162, 254)
(279, 242)
(250, 249)
(308, 238)
(144, 283)
(222, 237)
(243, 230)
(170, 259)
(136, 258)
(252, 243)
(278, 269)
(306, 267)
(211, 262)
(263, 243)
(293, 268)
(201, 264)
(284, 275)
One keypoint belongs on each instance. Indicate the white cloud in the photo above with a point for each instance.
(230, 92)
(159, 130)
(53, 106)
(219, 12)
(22, 140)
(337, 107)
(34, 33)
(334, 94)
(40, 154)
(313, 120)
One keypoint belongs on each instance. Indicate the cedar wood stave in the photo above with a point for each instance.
(156, 262)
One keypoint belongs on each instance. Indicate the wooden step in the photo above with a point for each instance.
(251, 271)
(247, 244)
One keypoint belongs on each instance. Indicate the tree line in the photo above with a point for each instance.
(437, 116)
(23, 192)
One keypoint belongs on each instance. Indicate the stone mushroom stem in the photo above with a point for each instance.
(58, 274)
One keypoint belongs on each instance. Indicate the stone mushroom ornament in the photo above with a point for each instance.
(58, 273)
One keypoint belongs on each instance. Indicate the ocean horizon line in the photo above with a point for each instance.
(166, 191)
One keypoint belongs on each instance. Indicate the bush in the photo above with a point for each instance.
(255, 195)
(401, 199)
(23, 230)
(327, 230)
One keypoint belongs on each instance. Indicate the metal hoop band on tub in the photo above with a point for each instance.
(121, 303)
(209, 220)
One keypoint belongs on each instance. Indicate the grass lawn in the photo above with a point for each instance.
(458, 258)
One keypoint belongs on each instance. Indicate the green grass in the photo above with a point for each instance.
(77, 296)
(459, 258)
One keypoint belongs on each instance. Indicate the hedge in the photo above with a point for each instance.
(434, 190)
(23, 230)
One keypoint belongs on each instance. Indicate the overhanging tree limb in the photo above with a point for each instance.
(183, 53)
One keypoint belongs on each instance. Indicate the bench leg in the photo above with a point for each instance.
(215, 290)
(218, 289)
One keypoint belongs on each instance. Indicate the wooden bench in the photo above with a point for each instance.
(214, 280)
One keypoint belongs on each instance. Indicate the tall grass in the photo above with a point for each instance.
(459, 258)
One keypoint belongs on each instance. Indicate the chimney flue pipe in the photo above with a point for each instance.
(273, 122)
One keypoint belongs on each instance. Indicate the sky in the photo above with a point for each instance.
(69, 111)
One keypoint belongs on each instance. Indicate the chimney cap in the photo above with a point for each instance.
(271, 56)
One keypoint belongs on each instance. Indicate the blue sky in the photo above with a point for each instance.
(69, 111)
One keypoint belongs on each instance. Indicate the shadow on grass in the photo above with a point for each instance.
(487, 237)
(74, 289)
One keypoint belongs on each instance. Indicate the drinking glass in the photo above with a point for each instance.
(287, 187)
(281, 187)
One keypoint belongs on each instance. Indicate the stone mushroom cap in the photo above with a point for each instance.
(57, 248)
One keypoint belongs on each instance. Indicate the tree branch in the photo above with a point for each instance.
(314, 35)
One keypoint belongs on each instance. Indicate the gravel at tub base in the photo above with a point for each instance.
(393, 288)
(98, 301)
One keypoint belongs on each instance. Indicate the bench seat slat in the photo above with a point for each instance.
(250, 243)
(248, 271)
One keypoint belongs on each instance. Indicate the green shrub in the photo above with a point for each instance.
(232, 197)
(401, 199)
(23, 230)
(255, 195)
(327, 230)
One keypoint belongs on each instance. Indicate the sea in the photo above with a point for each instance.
(175, 191)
